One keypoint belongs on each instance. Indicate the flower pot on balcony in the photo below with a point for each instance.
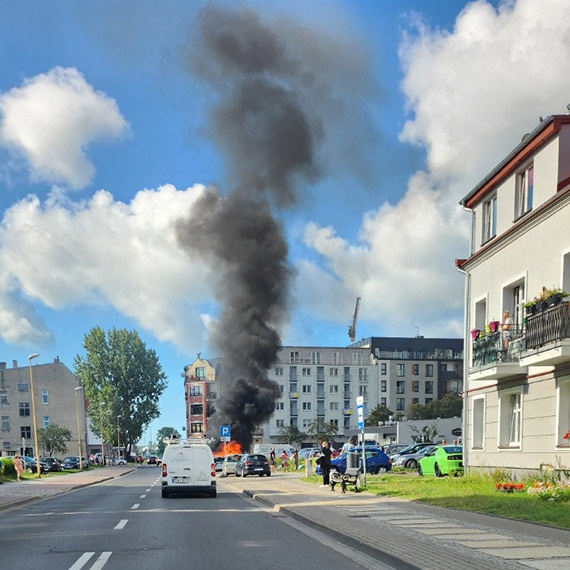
(475, 334)
(494, 326)
(541, 305)
(530, 309)
(554, 299)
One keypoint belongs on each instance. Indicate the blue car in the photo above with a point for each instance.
(376, 461)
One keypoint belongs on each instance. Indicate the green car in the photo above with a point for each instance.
(442, 460)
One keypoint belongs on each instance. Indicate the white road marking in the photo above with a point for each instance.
(143, 496)
(135, 506)
(82, 560)
(147, 490)
(101, 561)
(121, 524)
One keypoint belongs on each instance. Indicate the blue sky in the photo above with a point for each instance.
(104, 144)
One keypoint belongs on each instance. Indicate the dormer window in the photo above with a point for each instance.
(489, 219)
(524, 190)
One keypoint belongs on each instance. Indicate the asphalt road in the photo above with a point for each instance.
(125, 524)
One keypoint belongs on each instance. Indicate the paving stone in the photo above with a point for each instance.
(495, 543)
(555, 564)
(528, 552)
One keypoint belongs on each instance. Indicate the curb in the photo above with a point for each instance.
(364, 547)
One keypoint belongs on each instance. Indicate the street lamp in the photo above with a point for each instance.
(30, 358)
(102, 440)
(77, 390)
(118, 438)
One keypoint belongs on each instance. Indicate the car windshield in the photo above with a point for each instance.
(232, 458)
(454, 449)
(256, 458)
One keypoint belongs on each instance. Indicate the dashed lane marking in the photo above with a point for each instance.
(143, 496)
(147, 490)
(101, 561)
(135, 506)
(82, 560)
(121, 524)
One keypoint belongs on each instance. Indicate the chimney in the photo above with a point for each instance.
(14, 364)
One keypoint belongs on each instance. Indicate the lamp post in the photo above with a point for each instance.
(102, 440)
(118, 438)
(30, 358)
(77, 390)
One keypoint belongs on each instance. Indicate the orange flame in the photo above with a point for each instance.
(230, 448)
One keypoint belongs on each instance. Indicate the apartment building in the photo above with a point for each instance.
(517, 411)
(55, 403)
(415, 370)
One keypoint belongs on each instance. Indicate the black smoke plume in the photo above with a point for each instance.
(272, 86)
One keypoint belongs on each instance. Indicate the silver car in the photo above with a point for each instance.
(410, 460)
(229, 464)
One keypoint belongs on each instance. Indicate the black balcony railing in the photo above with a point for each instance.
(550, 325)
(497, 347)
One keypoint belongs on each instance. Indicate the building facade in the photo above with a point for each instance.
(56, 402)
(517, 399)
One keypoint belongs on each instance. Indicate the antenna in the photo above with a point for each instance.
(352, 328)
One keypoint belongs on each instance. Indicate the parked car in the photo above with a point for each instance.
(71, 462)
(218, 461)
(413, 448)
(229, 464)
(253, 464)
(442, 460)
(52, 463)
(410, 460)
(309, 452)
(394, 448)
(376, 460)
(30, 465)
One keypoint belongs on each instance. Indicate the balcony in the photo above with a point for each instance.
(494, 358)
(548, 337)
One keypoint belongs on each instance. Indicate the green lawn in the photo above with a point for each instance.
(471, 493)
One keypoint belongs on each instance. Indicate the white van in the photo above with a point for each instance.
(265, 449)
(188, 466)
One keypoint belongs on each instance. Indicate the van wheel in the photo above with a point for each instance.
(164, 494)
(213, 494)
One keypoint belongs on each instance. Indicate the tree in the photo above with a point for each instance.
(321, 430)
(161, 434)
(425, 434)
(53, 439)
(380, 413)
(417, 412)
(292, 434)
(121, 377)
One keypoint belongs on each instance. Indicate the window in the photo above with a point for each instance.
(25, 432)
(24, 409)
(334, 388)
(306, 388)
(415, 386)
(315, 357)
(563, 412)
(489, 219)
(280, 423)
(307, 406)
(333, 371)
(46, 421)
(363, 391)
(415, 401)
(306, 372)
(524, 191)
(307, 423)
(6, 445)
(429, 386)
(478, 422)
(336, 358)
(428, 400)
(196, 409)
(400, 404)
(383, 368)
(279, 406)
(282, 388)
(400, 369)
(45, 397)
(362, 375)
(515, 414)
(400, 387)
(294, 357)
(23, 387)
(3, 397)
(5, 423)
(383, 401)
(415, 369)
(195, 390)
(196, 427)
(357, 358)
(200, 372)
(382, 385)
(334, 423)
(279, 371)
(347, 422)
(334, 406)
(429, 370)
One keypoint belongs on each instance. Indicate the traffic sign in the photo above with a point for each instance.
(225, 433)
(360, 411)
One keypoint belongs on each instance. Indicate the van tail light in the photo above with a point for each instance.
(213, 469)
(164, 470)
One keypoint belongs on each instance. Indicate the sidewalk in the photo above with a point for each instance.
(13, 493)
(421, 536)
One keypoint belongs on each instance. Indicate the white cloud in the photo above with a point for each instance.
(52, 119)
(471, 94)
(63, 253)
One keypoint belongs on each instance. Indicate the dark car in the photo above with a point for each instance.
(52, 463)
(376, 460)
(70, 463)
(30, 465)
(152, 460)
(253, 464)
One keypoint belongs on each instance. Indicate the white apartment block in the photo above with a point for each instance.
(517, 399)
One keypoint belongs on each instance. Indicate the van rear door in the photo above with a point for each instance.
(201, 465)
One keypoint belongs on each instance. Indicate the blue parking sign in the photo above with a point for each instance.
(225, 431)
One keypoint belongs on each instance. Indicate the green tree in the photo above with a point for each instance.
(380, 413)
(161, 434)
(292, 434)
(424, 435)
(322, 430)
(417, 412)
(53, 439)
(450, 406)
(121, 377)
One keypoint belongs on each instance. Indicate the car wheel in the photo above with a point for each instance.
(261, 474)
(420, 472)
(244, 474)
(268, 474)
(382, 470)
(437, 471)
(164, 494)
(411, 464)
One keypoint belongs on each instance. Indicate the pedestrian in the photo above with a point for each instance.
(19, 467)
(296, 459)
(506, 331)
(285, 461)
(272, 459)
(325, 464)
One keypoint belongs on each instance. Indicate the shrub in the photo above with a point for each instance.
(558, 491)
(8, 469)
(501, 475)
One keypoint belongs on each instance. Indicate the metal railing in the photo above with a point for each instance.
(499, 346)
(550, 325)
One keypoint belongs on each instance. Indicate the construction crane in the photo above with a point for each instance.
(352, 327)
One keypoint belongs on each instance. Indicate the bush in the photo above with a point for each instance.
(8, 469)
(501, 476)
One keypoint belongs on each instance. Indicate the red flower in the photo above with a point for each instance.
(567, 436)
